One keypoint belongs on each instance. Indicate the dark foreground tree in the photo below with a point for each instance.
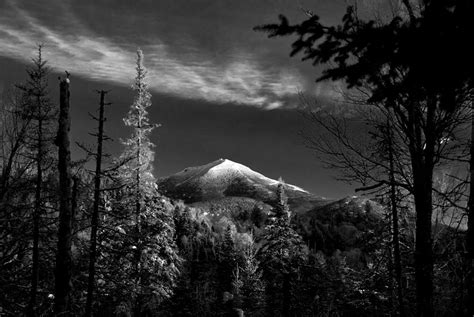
(15, 203)
(394, 60)
(96, 205)
(37, 110)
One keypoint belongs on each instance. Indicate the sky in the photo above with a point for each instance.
(219, 89)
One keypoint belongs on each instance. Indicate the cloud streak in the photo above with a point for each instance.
(238, 79)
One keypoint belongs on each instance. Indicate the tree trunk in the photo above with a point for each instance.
(95, 212)
(470, 227)
(36, 214)
(286, 295)
(138, 250)
(64, 256)
(395, 234)
(423, 246)
(422, 158)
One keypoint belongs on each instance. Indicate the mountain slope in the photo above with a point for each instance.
(225, 178)
(226, 193)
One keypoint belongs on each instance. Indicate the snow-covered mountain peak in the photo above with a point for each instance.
(227, 168)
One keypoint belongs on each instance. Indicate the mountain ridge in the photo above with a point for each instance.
(224, 193)
(222, 165)
(225, 178)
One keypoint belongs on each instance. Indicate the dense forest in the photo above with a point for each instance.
(100, 235)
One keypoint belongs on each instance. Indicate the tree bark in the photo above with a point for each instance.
(36, 214)
(64, 256)
(286, 295)
(422, 158)
(395, 228)
(423, 246)
(470, 227)
(95, 212)
(138, 251)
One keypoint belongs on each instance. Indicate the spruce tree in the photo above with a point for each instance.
(281, 209)
(138, 150)
(226, 266)
(282, 254)
(390, 61)
(228, 257)
(151, 263)
(39, 111)
(249, 288)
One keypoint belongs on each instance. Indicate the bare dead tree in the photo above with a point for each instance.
(63, 255)
(95, 212)
(373, 151)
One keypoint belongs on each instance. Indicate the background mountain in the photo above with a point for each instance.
(224, 192)
(224, 178)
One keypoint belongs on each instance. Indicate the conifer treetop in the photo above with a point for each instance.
(282, 210)
(139, 148)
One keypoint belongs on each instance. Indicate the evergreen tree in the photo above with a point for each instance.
(281, 209)
(39, 111)
(248, 285)
(199, 289)
(282, 254)
(149, 268)
(138, 148)
(391, 61)
(227, 260)
(227, 265)
(15, 203)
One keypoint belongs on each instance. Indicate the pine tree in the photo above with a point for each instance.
(368, 54)
(15, 206)
(281, 256)
(282, 210)
(150, 266)
(228, 257)
(249, 287)
(227, 265)
(138, 150)
(39, 111)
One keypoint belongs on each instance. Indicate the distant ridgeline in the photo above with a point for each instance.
(224, 192)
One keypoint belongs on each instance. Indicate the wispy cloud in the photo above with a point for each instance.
(239, 79)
